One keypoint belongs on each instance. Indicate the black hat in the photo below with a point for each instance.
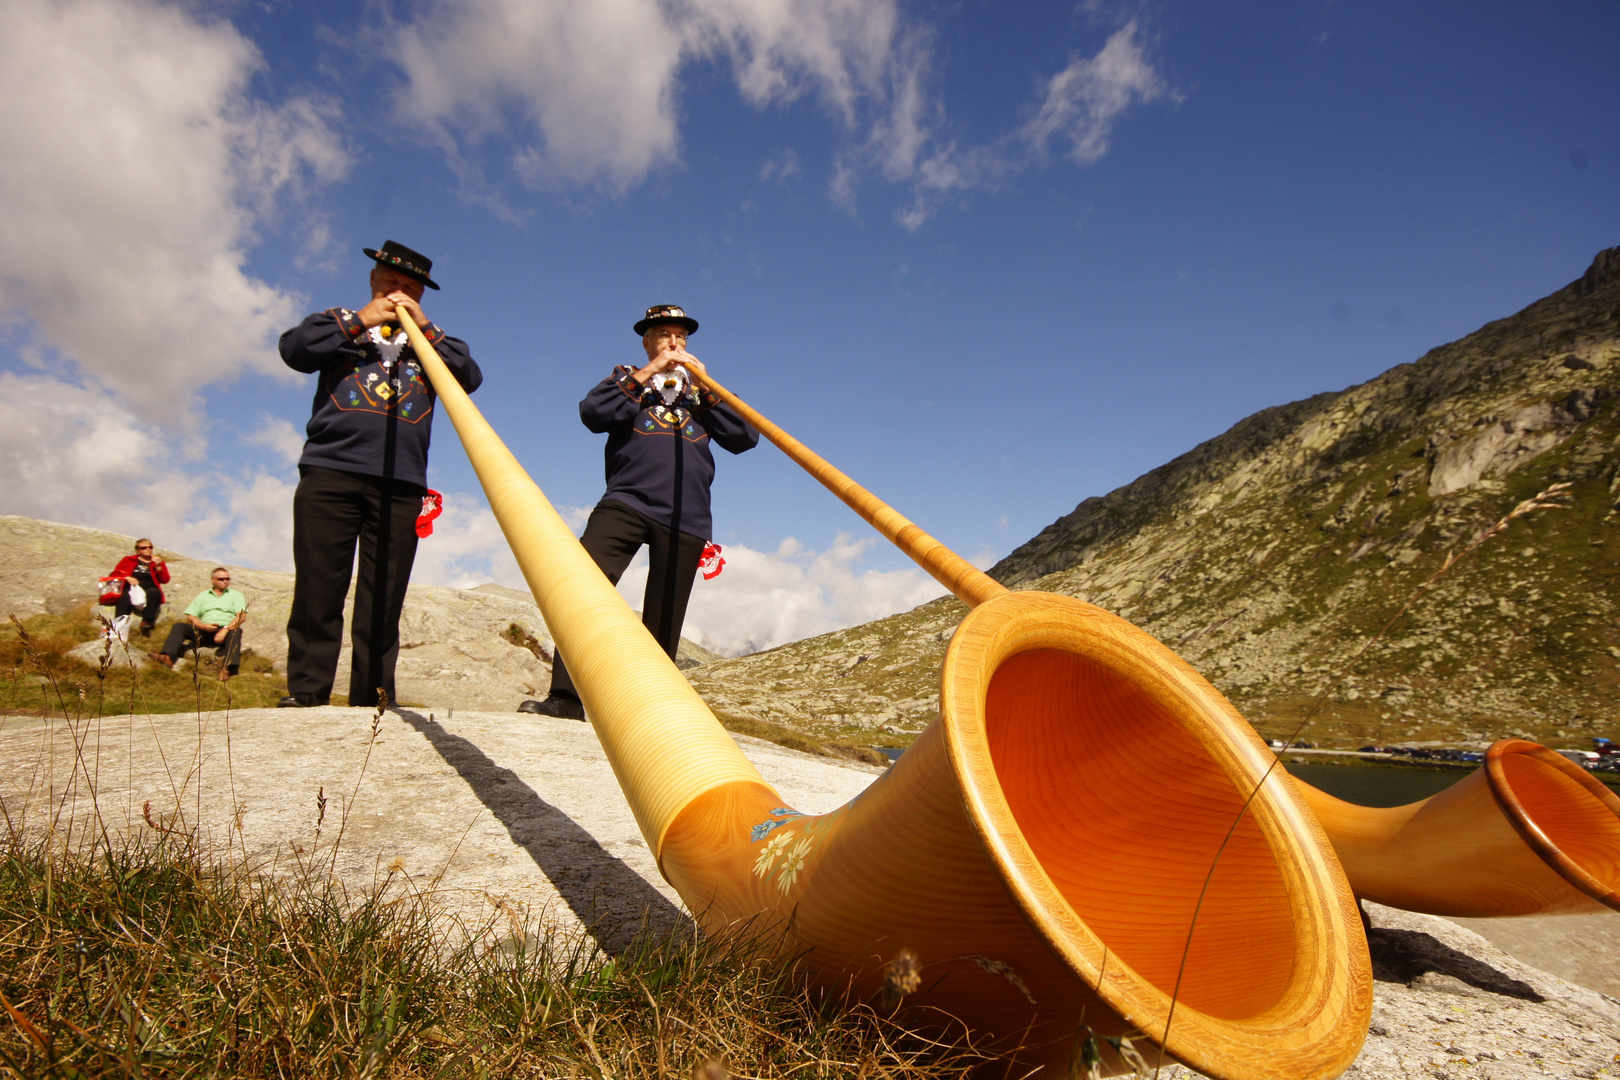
(404, 260)
(663, 313)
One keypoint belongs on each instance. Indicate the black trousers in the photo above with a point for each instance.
(333, 512)
(149, 613)
(612, 537)
(183, 636)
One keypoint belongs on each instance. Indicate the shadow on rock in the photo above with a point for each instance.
(1407, 956)
(614, 903)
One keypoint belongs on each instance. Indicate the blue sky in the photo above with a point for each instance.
(989, 258)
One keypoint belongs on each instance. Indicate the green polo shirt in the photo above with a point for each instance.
(217, 610)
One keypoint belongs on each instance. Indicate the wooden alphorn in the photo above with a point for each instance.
(1529, 833)
(1042, 848)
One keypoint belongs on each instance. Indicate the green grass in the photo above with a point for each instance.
(43, 680)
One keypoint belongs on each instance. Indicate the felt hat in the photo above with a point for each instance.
(665, 313)
(404, 260)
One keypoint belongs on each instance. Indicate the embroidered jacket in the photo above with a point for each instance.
(373, 409)
(645, 435)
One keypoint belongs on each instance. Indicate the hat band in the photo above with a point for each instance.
(404, 264)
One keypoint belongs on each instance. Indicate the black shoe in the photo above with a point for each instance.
(297, 701)
(558, 705)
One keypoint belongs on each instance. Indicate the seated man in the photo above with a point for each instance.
(214, 618)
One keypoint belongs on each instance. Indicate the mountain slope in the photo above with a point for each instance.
(1270, 555)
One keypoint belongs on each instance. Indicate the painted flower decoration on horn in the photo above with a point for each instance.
(767, 857)
(792, 863)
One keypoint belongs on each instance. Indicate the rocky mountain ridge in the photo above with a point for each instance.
(1271, 555)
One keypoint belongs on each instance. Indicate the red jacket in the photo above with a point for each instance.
(160, 572)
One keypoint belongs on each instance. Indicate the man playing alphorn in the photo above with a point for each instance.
(659, 468)
(362, 478)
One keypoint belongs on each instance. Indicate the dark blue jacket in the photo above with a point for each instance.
(649, 446)
(369, 416)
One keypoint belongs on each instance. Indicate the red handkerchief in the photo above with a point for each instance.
(711, 563)
(432, 507)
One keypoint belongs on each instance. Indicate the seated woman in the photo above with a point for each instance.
(150, 574)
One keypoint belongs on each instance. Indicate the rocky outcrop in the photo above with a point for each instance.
(1503, 443)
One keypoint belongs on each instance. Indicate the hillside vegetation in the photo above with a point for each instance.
(1269, 556)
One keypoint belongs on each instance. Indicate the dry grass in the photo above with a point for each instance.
(144, 958)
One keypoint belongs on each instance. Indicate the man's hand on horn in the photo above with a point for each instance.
(412, 308)
(673, 357)
(390, 289)
(381, 309)
(682, 358)
(665, 344)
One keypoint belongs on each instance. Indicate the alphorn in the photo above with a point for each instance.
(1529, 833)
(1063, 847)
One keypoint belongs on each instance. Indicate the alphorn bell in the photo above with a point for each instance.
(1530, 833)
(1063, 847)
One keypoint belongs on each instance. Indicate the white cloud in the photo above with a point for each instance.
(783, 166)
(781, 50)
(592, 80)
(81, 456)
(591, 91)
(763, 599)
(252, 524)
(278, 436)
(78, 455)
(1085, 99)
(466, 549)
(136, 171)
(1080, 104)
